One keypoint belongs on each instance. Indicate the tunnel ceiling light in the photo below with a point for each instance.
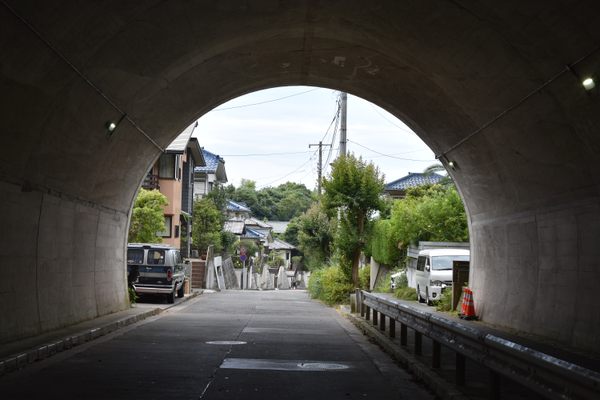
(588, 83)
(452, 164)
(111, 126)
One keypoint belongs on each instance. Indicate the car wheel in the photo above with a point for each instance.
(180, 291)
(427, 299)
(171, 297)
(419, 295)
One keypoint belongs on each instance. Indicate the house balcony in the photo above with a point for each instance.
(151, 182)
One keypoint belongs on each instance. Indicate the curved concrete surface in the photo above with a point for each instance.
(485, 84)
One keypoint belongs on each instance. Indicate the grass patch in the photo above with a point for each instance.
(445, 303)
(406, 293)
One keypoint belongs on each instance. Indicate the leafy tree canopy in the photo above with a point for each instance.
(283, 202)
(208, 224)
(147, 218)
(433, 213)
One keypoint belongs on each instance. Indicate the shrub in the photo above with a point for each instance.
(383, 284)
(330, 285)
(133, 296)
(445, 302)
(364, 277)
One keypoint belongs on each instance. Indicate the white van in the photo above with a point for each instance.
(434, 272)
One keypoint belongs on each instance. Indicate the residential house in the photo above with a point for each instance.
(172, 174)
(206, 176)
(256, 227)
(237, 211)
(285, 249)
(397, 189)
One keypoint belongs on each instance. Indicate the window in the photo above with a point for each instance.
(421, 263)
(441, 263)
(166, 166)
(178, 259)
(177, 169)
(135, 256)
(166, 232)
(156, 257)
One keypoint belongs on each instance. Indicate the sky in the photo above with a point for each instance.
(264, 136)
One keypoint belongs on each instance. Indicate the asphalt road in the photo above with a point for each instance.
(289, 348)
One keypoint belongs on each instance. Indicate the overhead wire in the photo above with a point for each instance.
(266, 154)
(291, 172)
(386, 155)
(403, 128)
(266, 101)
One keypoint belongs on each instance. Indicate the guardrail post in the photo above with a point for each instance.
(437, 355)
(361, 305)
(494, 385)
(375, 317)
(367, 313)
(418, 343)
(382, 322)
(392, 328)
(460, 369)
(403, 334)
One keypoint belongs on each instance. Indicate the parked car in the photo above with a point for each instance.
(434, 272)
(155, 269)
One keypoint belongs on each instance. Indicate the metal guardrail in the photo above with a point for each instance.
(547, 375)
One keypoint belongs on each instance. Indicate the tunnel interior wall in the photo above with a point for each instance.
(62, 262)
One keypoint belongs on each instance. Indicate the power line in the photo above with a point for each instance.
(290, 173)
(265, 154)
(403, 128)
(386, 155)
(266, 101)
(334, 119)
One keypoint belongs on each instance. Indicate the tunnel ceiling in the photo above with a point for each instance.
(445, 68)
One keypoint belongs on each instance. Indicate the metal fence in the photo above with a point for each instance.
(547, 375)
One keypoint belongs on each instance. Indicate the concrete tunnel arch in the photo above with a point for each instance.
(485, 85)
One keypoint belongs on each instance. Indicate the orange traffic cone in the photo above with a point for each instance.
(468, 307)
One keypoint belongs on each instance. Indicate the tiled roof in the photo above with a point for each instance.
(413, 179)
(257, 222)
(212, 162)
(279, 244)
(252, 234)
(279, 226)
(237, 207)
(233, 226)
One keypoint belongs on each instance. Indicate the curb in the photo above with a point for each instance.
(437, 384)
(21, 360)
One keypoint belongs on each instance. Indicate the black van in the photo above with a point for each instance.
(155, 269)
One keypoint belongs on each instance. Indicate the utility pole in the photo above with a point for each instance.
(344, 106)
(319, 166)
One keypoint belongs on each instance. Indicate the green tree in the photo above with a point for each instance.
(283, 202)
(246, 194)
(354, 190)
(291, 231)
(382, 244)
(208, 224)
(218, 195)
(433, 213)
(147, 218)
(314, 237)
